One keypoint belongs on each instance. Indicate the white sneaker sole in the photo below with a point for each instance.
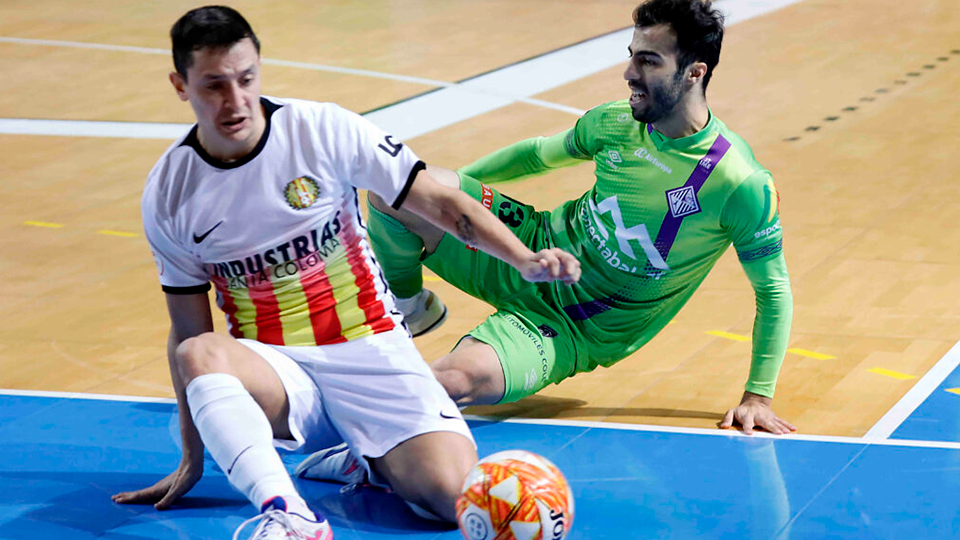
(433, 326)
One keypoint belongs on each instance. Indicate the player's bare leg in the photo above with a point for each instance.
(428, 470)
(216, 353)
(238, 405)
(471, 373)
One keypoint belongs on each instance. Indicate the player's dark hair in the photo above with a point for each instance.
(208, 26)
(699, 29)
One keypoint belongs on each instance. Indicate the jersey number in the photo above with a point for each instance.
(510, 216)
(392, 148)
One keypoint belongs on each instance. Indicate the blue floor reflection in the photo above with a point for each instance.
(60, 459)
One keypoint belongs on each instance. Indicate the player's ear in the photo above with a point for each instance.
(696, 73)
(178, 84)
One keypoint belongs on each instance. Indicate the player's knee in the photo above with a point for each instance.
(471, 382)
(459, 384)
(199, 355)
(438, 489)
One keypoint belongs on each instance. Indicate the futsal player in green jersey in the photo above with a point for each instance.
(674, 189)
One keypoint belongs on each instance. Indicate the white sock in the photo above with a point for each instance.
(239, 437)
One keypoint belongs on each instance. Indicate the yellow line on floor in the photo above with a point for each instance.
(811, 354)
(954, 391)
(891, 373)
(728, 335)
(119, 233)
(431, 278)
(43, 224)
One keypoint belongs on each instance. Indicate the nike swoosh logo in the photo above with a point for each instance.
(230, 468)
(447, 416)
(202, 237)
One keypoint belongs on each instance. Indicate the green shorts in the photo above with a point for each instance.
(535, 342)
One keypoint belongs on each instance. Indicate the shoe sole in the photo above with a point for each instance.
(436, 324)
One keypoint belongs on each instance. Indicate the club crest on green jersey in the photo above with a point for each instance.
(683, 201)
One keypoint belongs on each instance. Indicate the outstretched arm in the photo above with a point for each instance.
(460, 215)
(771, 331)
(523, 159)
(190, 316)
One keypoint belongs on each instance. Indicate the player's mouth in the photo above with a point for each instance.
(637, 96)
(233, 125)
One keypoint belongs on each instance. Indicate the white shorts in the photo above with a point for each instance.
(373, 393)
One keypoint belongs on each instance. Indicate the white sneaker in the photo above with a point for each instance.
(277, 524)
(423, 312)
(334, 464)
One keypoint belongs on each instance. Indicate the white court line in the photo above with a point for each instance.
(560, 423)
(81, 395)
(917, 395)
(424, 114)
(84, 128)
(457, 102)
(269, 61)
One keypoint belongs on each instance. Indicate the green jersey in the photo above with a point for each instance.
(661, 213)
(659, 216)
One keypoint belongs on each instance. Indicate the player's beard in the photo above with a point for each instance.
(661, 100)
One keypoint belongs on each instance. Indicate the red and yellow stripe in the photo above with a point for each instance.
(322, 304)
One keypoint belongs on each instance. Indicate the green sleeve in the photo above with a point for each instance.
(751, 218)
(771, 327)
(526, 158)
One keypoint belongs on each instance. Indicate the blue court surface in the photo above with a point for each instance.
(61, 459)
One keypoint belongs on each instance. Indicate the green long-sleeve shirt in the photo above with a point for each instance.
(659, 216)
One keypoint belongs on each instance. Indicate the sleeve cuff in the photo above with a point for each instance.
(196, 289)
(417, 167)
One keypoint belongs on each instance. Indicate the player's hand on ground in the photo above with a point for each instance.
(754, 412)
(165, 492)
(550, 265)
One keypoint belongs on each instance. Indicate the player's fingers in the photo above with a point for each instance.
(551, 263)
(727, 421)
(571, 268)
(171, 496)
(787, 425)
(140, 496)
(771, 424)
(747, 423)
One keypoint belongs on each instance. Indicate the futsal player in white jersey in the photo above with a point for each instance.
(260, 198)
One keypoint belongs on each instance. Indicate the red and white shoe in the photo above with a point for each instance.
(334, 464)
(275, 523)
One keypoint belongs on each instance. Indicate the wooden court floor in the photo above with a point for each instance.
(849, 104)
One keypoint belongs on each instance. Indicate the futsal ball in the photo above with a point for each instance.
(515, 495)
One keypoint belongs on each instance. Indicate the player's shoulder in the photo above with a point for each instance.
(304, 110)
(167, 173)
(612, 111)
(740, 163)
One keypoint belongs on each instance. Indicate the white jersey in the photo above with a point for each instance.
(279, 232)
